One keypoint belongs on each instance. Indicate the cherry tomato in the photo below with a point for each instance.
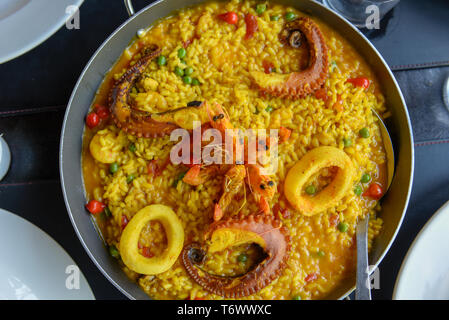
(311, 277)
(279, 211)
(187, 43)
(268, 67)
(229, 17)
(124, 221)
(321, 94)
(95, 206)
(334, 220)
(360, 82)
(92, 120)
(102, 111)
(146, 252)
(154, 169)
(251, 25)
(374, 191)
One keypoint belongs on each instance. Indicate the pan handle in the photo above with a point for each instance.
(129, 7)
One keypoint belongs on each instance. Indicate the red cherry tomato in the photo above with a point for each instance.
(311, 277)
(229, 17)
(102, 111)
(95, 206)
(146, 252)
(124, 221)
(321, 94)
(92, 120)
(251, 25)
(187, 43)
(268, 67)
(334, 219)
(374, 191)
(360, 82)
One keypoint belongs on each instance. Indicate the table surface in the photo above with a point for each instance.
(35, 88)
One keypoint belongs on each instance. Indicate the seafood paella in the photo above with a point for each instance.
(230, 151)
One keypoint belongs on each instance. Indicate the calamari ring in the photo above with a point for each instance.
(264, 230)
(127, 117)
(298, 84)
(130, 238)
(310, 164)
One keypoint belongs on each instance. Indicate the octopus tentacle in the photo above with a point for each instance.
(265, 230)
(298, 84)
(125, 116)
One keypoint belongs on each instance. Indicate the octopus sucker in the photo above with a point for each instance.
(296, 85)
(264, 230)
(125, 115)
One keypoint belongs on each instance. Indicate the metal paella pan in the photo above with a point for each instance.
(394, 203)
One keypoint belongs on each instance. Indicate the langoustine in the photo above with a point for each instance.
(298, 84)
(264, 230)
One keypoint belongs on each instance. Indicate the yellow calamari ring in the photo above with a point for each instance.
(312, 162)
(131, 234)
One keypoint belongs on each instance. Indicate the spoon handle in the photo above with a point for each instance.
(362, 290)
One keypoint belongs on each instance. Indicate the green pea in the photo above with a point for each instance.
(333, 65)
(290, 16)
(161, 60)
(107, 212)
(269, 109)
(178, 178)
(358, 190)
(347, 142)
(260, 8)
(182, 53)
(311, 189)
(187, 80)
(274, 18)
(365, 178)
(183, 62)
(195, 82)
(242, 258)
(343, 227)
(179, 72)
(113, 167)
(321, 253)
(130, 178)
(364, 132)
(296, 297)
(188, 71)
(132, 147)
(114, 252)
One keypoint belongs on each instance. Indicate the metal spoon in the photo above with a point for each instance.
(362, 289)
(446, 93)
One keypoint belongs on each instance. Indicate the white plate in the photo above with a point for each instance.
(424, 274)
(33, 266)
(24, 24)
